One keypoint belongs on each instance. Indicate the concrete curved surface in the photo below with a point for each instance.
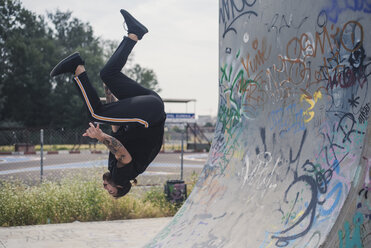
(290, 161)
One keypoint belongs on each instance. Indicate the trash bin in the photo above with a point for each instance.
(176, 191)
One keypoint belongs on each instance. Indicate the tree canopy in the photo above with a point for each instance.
(30, 45)
(144, 76)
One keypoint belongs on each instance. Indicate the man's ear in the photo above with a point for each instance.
(119, 186)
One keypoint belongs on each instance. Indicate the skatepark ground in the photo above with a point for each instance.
(120, 233)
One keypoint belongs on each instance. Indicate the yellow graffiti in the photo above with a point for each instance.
(312, 102)
(270, 244)
(298, 216)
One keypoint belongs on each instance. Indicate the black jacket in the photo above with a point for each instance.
(143, 144)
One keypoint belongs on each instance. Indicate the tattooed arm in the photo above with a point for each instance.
(110, 98)
(121, 153)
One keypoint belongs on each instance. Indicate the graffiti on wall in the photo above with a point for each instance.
(319, 86)
(294, 107)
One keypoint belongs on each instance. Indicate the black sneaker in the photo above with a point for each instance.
(67, 65)
(134, 26)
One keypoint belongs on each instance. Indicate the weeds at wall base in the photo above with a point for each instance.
(74, 199)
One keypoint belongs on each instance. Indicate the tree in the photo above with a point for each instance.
(209, 124)
(29, 49)
(145, 77)
(30, 45)
(70, 34)
(109, 47)
(24, 50)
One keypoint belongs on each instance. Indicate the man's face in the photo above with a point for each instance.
(110, 189)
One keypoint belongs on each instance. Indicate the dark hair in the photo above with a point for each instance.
(123, 189)
(107, 176)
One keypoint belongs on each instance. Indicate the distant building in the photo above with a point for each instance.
(202, 120)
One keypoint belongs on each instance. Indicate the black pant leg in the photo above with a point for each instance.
(88, 94)
(146, 110)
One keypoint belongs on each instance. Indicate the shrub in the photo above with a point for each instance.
(157, 198)
(75, 199)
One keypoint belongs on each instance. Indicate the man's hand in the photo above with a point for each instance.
(122, 155)
(94, 132)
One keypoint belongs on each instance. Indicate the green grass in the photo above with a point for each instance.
(6, 148)
(76, 199)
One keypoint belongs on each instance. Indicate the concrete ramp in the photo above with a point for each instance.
(290, 162)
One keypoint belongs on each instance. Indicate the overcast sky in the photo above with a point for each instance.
(181, 46)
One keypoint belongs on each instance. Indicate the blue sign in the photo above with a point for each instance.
(181, 118)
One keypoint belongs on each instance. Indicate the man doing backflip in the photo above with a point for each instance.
(137, 117)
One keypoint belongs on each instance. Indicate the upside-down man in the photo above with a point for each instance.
(137, 117)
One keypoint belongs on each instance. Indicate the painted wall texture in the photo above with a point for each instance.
(290, 162)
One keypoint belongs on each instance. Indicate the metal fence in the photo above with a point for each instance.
(31, 137)
(34, 155)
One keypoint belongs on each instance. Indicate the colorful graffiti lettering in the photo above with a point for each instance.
(286, 120)
(364, 113)
(352, 240)
(294, 103)
(281, 21)
(252, 65)
(231, 11)
(312, 102)
(339, 6)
